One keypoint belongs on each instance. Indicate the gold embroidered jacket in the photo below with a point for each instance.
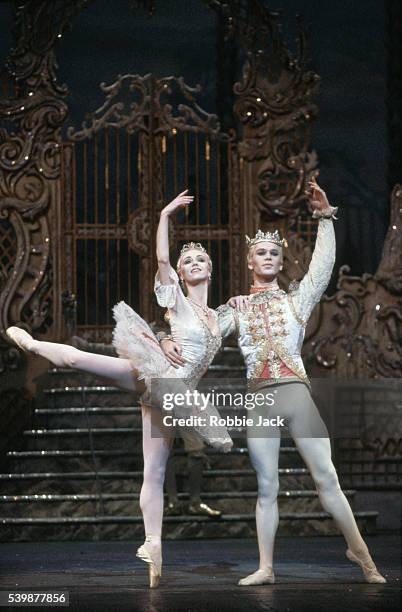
(273, 326)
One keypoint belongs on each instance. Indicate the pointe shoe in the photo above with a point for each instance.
(153, 557)
(369, 569)
(261, 576)
(20, 337)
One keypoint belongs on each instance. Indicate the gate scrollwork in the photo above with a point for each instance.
(29, 164)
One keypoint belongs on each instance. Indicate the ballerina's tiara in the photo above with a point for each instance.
(190, 246)
(266, 237)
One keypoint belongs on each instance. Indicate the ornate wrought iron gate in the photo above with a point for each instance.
(147, 142)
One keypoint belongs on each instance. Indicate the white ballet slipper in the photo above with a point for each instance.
(369, 569)
(261, 576)
(152, 555)
(21, 338)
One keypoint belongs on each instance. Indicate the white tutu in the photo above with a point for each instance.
(134, 340)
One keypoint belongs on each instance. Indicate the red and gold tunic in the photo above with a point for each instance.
(267, 374)
(271, 330)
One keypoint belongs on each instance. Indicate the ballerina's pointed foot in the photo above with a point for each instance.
(21, 338)
(261, 576)
(152, 554)
(369, 569)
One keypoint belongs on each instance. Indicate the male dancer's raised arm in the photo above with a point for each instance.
(315, 281)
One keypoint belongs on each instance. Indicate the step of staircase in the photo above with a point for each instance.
(60, 418)
(131, 527)
(91, 504)
(214, 480)
(87, 395)
(19, 499)
(81, 459)
(76, 437)
(64, 438)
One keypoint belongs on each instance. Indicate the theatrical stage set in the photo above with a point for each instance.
(201, 334)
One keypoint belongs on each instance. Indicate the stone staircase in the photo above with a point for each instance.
(78, 473)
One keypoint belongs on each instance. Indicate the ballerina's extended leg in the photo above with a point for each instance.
(120, 371)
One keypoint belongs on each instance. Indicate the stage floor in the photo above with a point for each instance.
(201, 575)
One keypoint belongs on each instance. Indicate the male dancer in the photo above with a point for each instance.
(270, 330)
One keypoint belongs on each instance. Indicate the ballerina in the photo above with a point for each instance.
(270, 333)
(142, 361)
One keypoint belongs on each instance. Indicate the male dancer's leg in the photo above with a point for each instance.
(119, 371)
(316, 453)
(264, 456)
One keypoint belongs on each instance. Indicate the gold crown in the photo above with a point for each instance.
(266, 237)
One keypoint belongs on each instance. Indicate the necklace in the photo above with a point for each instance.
(205, 309)
(254, 289)
(216, 337)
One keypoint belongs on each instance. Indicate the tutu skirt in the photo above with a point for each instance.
(134, 340)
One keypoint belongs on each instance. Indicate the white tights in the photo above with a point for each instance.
(119, 371)
(294, 402)
(157, 439)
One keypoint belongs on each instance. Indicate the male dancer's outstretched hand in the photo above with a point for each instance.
(172, 349)
(172, 352)
(317, 198)
(240, 302)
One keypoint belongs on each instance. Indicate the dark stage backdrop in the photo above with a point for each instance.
(347, 49)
